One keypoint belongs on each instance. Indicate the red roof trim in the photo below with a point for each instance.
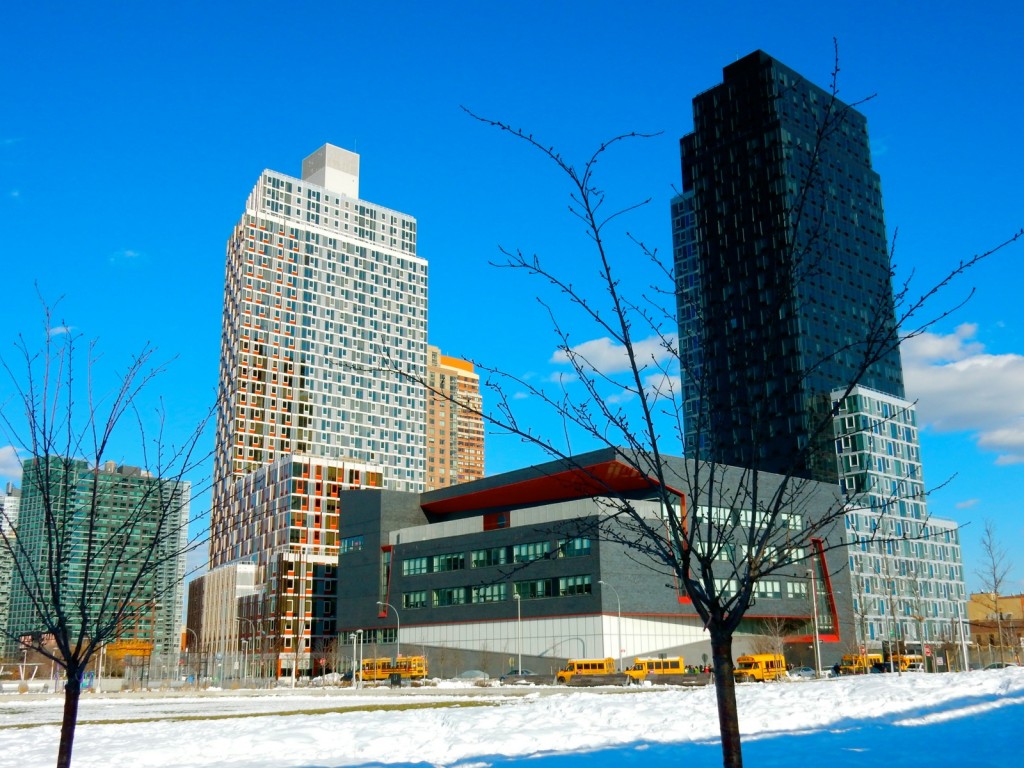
(602, 479)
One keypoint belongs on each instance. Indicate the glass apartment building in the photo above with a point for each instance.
(906, 570)
(118, 525)
(782, 268)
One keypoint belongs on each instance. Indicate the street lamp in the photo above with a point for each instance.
(99, 671)
(252, 635)
(519, 632)
(352, 637)
(359, 639)
(398, 628)
(618, 622)
(195, 668)
(814, 606)
(963, 638)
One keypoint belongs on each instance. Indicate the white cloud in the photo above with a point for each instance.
(1008, 459)
(662, 385)
(932, 348)
(561, 377)
(623, 396)
(608, 357)
(125, 254)
(10, 467)
(967, 503)
(961, 388)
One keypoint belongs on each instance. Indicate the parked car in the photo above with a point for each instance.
(802, 673)
(514, 673)
(1000, 665)
(916, 667)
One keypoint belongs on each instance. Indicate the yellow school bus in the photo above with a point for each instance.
(759, 667)
(585, 667)
(643, 667)
(904, 660)
(409, 667)
(858, 663)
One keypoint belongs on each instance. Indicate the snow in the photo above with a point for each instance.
(941, 719)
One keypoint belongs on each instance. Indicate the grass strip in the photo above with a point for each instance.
(283, 713)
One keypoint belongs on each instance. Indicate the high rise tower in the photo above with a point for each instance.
(455, 423)
(324, 293)
(782, 268)
(123, 534)
(10, 500)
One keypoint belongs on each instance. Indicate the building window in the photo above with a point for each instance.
(455, 561)
(726, 588)
(483, 558)
(768, 588)
(415, 565)
(790, 521)
(574, 585)
(414, 600)
(351, 544)
(574, 548)
(525, 553)
(796, 589)
(450, 596)
(529, 590)
(489, 593)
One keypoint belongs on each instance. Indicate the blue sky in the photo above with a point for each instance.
(131, 133)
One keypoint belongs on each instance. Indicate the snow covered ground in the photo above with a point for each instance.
(969, 719)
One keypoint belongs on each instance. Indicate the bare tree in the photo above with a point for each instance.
(720, 529)
(993, 572)
(95, 549)
(774, 631)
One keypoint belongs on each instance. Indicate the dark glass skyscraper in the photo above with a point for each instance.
(782, 269)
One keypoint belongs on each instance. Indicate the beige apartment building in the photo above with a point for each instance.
(455, 425)
(997, 627)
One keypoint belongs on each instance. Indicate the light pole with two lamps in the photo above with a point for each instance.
(352, 637)
(246, 646)
(398, 628)
(357, 658)
(189, 660)
(814, 606)
(519, 632)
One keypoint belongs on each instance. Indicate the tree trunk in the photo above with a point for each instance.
(725, 690)
(72, 692)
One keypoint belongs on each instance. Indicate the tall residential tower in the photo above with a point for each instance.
(788, 334)
(123, 533)
(324, 295)
(455, 422)
(323, 358)
(782, 268)
(10, 499)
